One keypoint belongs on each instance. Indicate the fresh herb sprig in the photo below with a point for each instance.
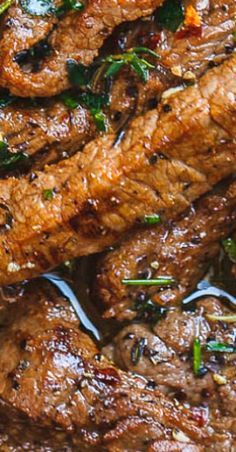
(149, 311)
(214, 346)
(132, 58)
(161, 281)
(10, 160)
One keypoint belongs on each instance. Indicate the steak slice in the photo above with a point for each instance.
(167, 359)
(52, 375)
(50, 131)
(87, 202)
(77, 35)
(45, 134)
(183, 249)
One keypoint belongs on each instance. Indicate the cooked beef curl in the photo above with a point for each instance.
(183, 249)
(83, 204)
(52, 374)
(167, 359)
(178, 56)
(77, 35)
(47, 133)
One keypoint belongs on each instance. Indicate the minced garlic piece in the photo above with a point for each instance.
(219, 379)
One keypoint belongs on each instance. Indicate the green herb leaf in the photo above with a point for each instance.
(137, 350)
(69, 5)
(79, 75)
(152, 219)
(160, 281)
(139, 65)
(114, 68)
(230, 249)
(99, 119)
(145, 50)
(170, 15)
(48, 194)
(214, 346)
(38, 7)
(10, 160)
(5, 5)
(148, 311)
(69, 100)
(197, 356)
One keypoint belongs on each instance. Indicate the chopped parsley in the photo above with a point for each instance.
(152, 219)
(5, 5)
(197, 356)
(93, 101)
(48, 194)
(170, 15)
(160, 281)
(214, 346)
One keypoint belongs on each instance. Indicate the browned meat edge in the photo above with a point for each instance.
(76, 35)
(51, 372)
(49, 133)
(183, 249)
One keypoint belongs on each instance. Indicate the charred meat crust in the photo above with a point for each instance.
(97, 195)
(182, 249)
(52, 374)
(76, 35)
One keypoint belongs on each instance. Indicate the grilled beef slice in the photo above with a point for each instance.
(167, 359)
(83, 204)
(77, 35)
(45, 134)
(182, 249)
(179, 56)
(48, 133)
(52, 374)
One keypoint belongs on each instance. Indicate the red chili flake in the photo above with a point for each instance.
(108, 376)
(188, 32)
(200, 415)
(149, 40)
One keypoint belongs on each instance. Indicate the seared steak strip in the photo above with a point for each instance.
(53, 374)
(179, 57)
(38, 131)
(167, 359)
(85, 203)
(183, 249)
(46, 134)
(78, 35)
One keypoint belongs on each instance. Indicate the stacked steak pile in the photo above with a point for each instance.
(115, 117)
